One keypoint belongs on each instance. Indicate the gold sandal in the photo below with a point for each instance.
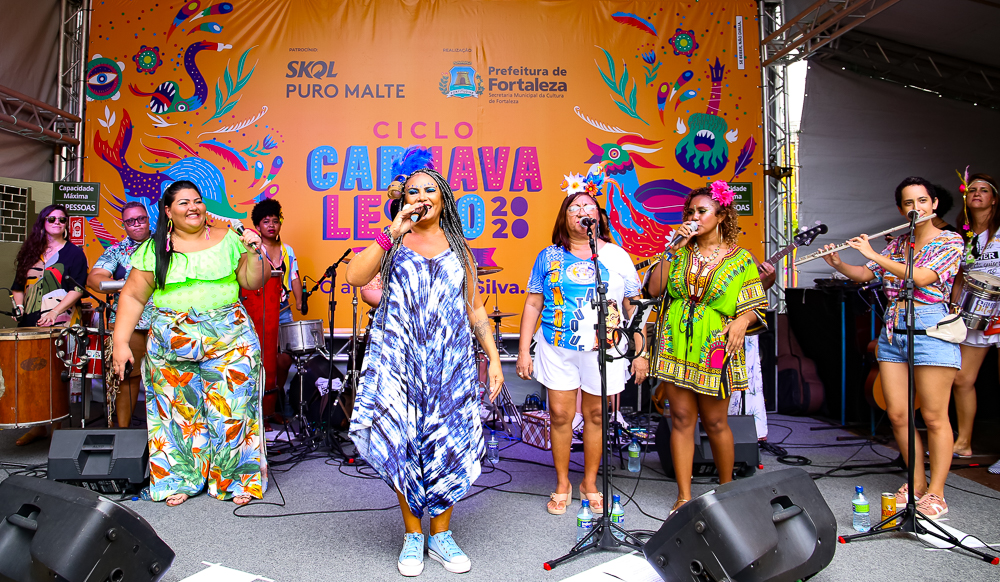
(557, 502)
(677, 505)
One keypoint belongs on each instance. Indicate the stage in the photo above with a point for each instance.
(340, 524)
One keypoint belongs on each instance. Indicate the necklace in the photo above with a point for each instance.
(701, 266)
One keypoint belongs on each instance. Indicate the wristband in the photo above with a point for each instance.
(384, 240)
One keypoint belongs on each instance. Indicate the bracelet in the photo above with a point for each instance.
(384, 240)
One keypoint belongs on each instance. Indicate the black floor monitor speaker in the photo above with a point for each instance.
(53, 531)
(744, 440)
(105, 460)
(774, 526)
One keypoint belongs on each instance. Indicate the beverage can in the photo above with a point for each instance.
(888, 509)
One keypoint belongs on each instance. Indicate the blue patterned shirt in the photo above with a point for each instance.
(117, 260)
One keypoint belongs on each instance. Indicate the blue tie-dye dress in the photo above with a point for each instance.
(416, 416)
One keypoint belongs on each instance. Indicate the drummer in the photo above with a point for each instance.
(981, 223)
(43, 296)
(268, 219)
(937, 254)
(114, 265)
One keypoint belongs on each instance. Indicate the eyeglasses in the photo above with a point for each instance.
(54, 219)
(136, 221)
(576, 208)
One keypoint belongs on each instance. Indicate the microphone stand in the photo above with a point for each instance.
(86, 381)
(601, 534)
(331, 272)
(906, 518)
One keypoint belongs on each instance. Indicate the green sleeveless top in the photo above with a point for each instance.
(201, 280)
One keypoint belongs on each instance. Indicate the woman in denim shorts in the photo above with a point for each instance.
(937, 255)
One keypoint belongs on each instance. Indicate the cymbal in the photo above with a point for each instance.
(488, 270)
(498, 314)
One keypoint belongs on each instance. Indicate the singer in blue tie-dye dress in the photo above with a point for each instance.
(416, 416)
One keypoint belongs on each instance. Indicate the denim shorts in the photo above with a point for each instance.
(927, 351)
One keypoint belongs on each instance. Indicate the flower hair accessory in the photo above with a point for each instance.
(573, 183)
(722, 193)
(413, 159)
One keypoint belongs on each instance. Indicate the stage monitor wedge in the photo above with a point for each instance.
(773, 527)
(53, 531)
(109, 461)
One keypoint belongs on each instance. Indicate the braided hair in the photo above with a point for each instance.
(451, 224)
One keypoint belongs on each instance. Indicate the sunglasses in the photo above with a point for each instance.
(54, 219)
(136, 221)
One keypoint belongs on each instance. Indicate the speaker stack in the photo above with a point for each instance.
(747, 452)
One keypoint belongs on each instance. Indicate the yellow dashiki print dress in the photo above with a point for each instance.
(699, 301)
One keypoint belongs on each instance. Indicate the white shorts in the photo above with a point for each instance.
(561, 369)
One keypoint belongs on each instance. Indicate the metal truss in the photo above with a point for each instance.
(74, 19)
(779, 217)
(35, 119)
(911, 66)
(821, 23)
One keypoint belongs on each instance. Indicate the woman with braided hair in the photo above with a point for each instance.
(416, 418)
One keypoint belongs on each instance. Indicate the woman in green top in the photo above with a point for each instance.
(711, 294)
(202, 370)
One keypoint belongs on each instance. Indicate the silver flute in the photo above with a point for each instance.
(843, 246)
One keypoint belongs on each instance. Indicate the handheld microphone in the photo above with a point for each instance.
(588, 221)
(417, 213)
(677, 237)
(239, 228)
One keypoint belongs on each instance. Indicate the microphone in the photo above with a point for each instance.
(912, 215)
(305, 301)
(588, 221)
(677, 237)
(416, 214)
(873, 285)
(239, 228)
(112, 285)
(13, 305)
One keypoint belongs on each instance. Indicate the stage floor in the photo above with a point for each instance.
(339, 523)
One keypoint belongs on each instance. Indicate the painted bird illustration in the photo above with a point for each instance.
(166, 97)
(640, 214)
(146, 187)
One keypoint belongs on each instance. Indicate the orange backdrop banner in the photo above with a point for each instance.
(307, 102)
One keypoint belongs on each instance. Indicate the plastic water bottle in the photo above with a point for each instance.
(144, 494)
(584, 520)
(860, 503)
(493, 448)
(617, 516)
(633, 456)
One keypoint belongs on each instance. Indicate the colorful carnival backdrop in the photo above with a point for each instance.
(307, 101)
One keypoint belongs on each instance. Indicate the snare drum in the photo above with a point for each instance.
(301, 337)
(980, 300)
(32, 392)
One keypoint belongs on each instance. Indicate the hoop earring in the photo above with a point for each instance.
(170, 231)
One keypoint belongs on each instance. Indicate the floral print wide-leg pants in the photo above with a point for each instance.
(203, 376)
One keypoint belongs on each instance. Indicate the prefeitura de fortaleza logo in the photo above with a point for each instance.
(461, 81)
